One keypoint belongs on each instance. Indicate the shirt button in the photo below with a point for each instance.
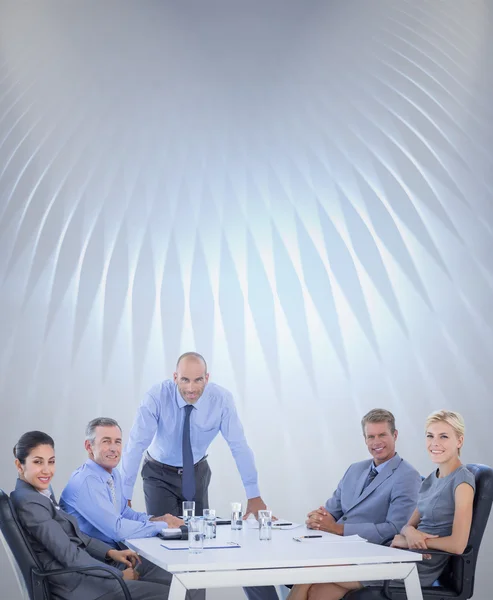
(344, 518)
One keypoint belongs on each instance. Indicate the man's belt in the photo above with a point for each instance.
(177, 470)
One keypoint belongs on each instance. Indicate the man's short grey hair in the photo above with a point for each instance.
(99, 422)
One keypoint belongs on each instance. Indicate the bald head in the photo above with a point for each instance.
(191, 355)
(191, 376)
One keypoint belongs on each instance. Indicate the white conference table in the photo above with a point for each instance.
(279, 561)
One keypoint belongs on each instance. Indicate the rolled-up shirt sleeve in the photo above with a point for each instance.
(140, 438)
(232, 431)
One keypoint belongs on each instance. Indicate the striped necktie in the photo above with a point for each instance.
(111, 484)
(371, 476)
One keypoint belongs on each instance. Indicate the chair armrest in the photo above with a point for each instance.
(467, 552)
(35, 573)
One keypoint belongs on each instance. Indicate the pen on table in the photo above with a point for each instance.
(303, 537)
(281, 524)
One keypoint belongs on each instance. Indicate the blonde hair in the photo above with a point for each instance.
(454, 419)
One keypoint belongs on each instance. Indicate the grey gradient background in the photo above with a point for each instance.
(300, 190)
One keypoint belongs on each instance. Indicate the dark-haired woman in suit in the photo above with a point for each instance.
(57, 540)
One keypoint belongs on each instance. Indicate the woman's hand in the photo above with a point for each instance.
(399, 541)
(416, 539)
(127, 557)
(130, 574)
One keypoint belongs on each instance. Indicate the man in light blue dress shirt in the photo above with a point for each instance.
(176, 422)
(94, 493)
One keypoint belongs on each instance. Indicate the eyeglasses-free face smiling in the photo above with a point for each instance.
(442, 442)
(39, 467)
(380, 441)
(191, 378)
(106, 447)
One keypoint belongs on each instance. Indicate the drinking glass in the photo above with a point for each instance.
(209, 523)
(265, 525)
(188, 509)
(195, 535)
(236, 516)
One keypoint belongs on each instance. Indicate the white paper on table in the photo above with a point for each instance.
(283, 524)
(252, 523)
(208, 545)
(329, 538)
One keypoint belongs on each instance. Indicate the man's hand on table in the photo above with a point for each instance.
(320, 519)
(253, 506)
(172, 521)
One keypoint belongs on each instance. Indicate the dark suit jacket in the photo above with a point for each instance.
(58, 542)
(385, 505)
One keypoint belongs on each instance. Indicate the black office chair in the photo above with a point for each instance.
(30, 575)
(457, 580)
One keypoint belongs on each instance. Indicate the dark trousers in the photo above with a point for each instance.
(154, 584)
(261, 592)
(162, 488)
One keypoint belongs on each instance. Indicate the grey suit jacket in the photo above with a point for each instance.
(385, 505)
(58, 543)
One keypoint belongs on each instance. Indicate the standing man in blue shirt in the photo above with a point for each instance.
(176, 422)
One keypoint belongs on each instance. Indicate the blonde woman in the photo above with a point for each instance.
(442, 519)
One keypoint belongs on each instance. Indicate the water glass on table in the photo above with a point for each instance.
(209, 523)
(188, 510)
(236, 515)
(195, 535)
(264, 525)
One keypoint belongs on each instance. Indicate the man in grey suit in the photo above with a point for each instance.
(375, 497)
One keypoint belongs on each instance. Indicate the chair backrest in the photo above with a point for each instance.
(483, 500)
(460, 574)
(19, 551)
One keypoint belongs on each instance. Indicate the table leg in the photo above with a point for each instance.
(413, 586)
(177, 590)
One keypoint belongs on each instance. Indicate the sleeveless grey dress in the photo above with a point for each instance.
(436, 506)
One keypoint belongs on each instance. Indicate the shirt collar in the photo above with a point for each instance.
(98, 469)
(49, 494)
(381, 466)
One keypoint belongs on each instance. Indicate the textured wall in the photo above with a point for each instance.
(299, 190)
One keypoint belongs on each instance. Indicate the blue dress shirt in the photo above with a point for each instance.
(379, 467)
(87, 496)
(159, 428)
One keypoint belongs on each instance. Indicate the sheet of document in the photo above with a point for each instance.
(208, 545)
(252, 523)
(284, 524)
(322, 538)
